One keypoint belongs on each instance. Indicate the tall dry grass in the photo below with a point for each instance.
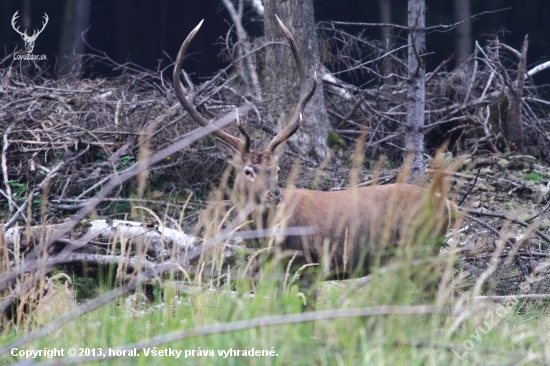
(410, 308)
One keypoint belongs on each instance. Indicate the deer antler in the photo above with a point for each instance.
(243, 131)
(305, 95)
(13, 19)
(233, 141)
(35, 33)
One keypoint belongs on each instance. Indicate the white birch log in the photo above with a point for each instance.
(157, 238)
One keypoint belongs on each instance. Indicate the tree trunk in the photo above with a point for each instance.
(27, 24)
(386, 38)
(414, 137)
(75, 21)
(513, 127)
(463, 31)
(280, 80)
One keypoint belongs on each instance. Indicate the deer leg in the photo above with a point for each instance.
(308, 283)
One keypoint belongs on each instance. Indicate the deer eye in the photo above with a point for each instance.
(247, 172)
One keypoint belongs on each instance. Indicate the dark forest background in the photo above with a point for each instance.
(148, 33)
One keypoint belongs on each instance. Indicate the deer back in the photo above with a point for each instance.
(357, 224)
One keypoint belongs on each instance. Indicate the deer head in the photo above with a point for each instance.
(29, 40)
(257, 171)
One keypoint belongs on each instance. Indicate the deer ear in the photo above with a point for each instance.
(229, 153)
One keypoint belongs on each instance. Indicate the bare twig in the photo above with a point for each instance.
(543, 236)
(463, 198)
(236, 16)
(5, 145)
(114, 182)
(521, 265)
(37, 190)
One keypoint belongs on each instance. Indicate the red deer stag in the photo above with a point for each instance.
(351, 226)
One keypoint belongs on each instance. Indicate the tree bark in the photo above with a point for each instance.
(155, 239)
(513, 128)
(248, 72)
(387, 38)
(414, 137)
(280, 79)
(75, 21)
(463, 31)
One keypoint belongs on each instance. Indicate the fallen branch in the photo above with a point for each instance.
(155, 238)
(463, 198)
(5, 167)
(38, 189)
(543, 236)
(522, 266)
(537, 69)
(513, 297)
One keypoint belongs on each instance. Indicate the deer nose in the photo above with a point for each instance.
(275, 195)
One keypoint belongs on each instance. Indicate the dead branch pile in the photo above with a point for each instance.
(94, 128)
(479, 106)
(26, 257)
(67, 142)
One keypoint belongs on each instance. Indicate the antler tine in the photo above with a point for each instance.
(36, 33)
(305, 95)
(13, 20)
(44, 23)
(243, 131)
(235, 142)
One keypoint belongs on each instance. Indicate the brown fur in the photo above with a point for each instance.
(371, 219)
(259, 157)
